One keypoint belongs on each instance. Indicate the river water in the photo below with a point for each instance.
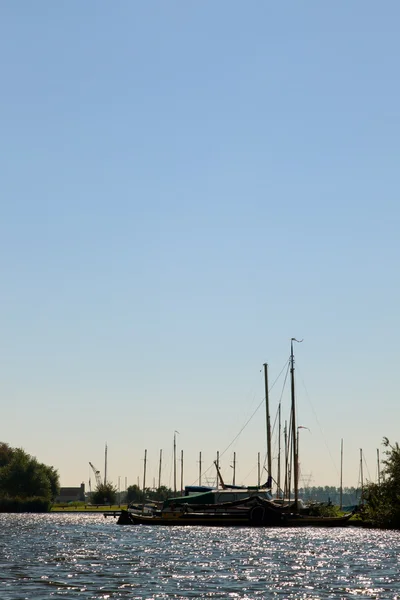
(87, 556)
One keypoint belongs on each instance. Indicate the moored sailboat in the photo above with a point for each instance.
(251, 507)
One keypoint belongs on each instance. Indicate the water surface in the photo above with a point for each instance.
(87, 556)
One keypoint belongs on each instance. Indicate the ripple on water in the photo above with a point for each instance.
(85, 556)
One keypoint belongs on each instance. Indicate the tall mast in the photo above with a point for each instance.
(379, 466)
(144, 479)
(259, 470)
(234, 469)
(361, 473)
(105, 465)
(297, 456)
(279, 452)
(200, 468)
(268, 423)
(285, 437)
(217, 465)
(294, 430)
(181, 472)
(341, 474)
(175, 432)
(159, 470)
(219, 476)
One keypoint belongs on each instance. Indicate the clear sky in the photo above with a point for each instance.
(184, 187)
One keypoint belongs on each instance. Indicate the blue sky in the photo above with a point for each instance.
(186, 186)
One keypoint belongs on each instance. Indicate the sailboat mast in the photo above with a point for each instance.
(379, 466)
(175, 463)
(200, 468)
(294, 431)
(268, 420)
(234, 469)
(181, 472)
(144, 479)
(105, 465)
(297, 453)
(159, 470)
(279, 452)
(285, 437)
(361, 473)
(341, 474)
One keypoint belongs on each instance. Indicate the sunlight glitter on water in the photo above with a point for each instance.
(84, 556)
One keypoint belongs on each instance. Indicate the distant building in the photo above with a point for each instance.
(71, 494)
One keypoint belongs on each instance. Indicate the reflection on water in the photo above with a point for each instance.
(86, 556)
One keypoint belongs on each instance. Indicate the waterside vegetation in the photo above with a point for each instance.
(105, 493)
(381, 501)
(26, 485)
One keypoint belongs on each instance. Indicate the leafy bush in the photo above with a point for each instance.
(135, 494)
(25, 480)
(105, 493)
(324, 509)
(381, 506)
(16, 504)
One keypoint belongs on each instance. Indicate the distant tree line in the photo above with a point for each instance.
(26, 485)
(107, 493)
(350, 495)
(135, 494)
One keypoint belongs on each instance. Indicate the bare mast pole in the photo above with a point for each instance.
(278, 488)
(159, 470)
(379, 466)
(144, 479)
(181, 472)
(200, 468)
(341, 474)
(294, 430)
(175, 463)
(268, 423)
(361, 474)
(234, 469)
(105, 465)
(285, 437)
(297, 456)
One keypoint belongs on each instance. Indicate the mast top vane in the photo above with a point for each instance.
(291, 350)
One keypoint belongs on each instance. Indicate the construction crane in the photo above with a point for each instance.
(96, 474)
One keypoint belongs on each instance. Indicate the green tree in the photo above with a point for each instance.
(23, 477)
(105, 493)
(134, 494)
(163, 493)
(54, 480)
(5, 454)
(382, 501)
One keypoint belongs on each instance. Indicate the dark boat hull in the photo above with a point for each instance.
(251, 518)
(199, 519)
(307, 521)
